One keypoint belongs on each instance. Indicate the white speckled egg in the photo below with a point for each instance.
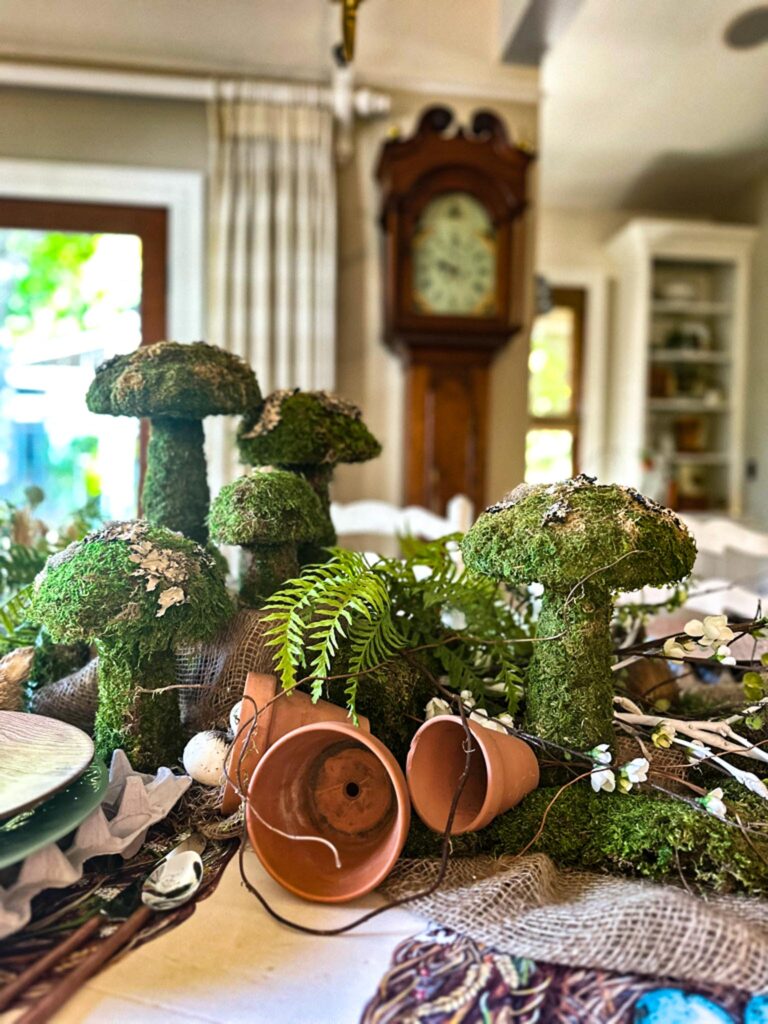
(204, 757)
(234, 717)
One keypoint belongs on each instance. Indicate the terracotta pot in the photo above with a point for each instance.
(334, 782)
(278, 719)
(503, 769)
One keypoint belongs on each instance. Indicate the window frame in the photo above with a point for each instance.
(575, 299)
(149, 223)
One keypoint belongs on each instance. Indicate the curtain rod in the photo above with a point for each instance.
(340, 94)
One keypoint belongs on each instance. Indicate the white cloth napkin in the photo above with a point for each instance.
(132, 802)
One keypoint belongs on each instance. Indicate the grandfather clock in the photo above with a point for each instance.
(452, 201)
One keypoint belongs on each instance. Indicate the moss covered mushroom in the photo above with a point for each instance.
(176, 386)
(581, 541)
(308, 432)
(268, 513)
(135, 591)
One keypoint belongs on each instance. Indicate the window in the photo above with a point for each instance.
(554, 384)
(73, 292)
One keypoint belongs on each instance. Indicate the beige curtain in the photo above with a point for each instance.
(272, 235)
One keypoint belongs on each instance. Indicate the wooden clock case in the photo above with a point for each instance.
(447, 359)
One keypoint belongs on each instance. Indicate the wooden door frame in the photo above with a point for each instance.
(575, 298)
(180, 193)
(150, 224)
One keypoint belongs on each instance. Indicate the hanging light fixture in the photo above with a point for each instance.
(345, 51)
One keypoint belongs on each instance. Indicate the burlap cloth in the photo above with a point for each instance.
(525, 907)
(529, 907)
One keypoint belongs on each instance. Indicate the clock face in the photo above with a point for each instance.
(454, 258)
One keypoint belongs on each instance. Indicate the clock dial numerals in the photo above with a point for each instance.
(454, 258)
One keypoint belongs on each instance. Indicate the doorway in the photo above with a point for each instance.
(79, 283)
(555, 371)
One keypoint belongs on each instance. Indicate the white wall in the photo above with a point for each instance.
(172, 134)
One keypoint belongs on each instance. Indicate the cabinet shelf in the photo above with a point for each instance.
(689, 307)
(694, 405)
(680, 283)
(684, 355)
(700, 459)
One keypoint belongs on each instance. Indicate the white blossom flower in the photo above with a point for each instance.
(632, 772)
(467, 698)
(603, 778)
(481, 717)
(695, 627)
(724, 656)
(600, 754)
(750, 780)
(437, 706)
(506, 719)
(716, 629)
(673, 649)
(713, 802)
(663, 735)
(453, 618)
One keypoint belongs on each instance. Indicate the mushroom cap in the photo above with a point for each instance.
(306, 428)
(268, 506)
(183, 381)
(562, 534)
(132, 583)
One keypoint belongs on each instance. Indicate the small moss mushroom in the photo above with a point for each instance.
(268, 513)
(176, 386)
(581, 541)
(135, 591)
(308, 432)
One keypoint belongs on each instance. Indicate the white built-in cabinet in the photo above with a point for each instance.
(677, 368)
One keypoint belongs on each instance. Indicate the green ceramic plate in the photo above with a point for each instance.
(31, 830)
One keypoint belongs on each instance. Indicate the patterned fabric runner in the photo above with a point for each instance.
(441, 977)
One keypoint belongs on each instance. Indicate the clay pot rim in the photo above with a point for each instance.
(477, 731)
(401, 823)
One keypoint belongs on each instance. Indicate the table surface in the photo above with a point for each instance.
(231, 962)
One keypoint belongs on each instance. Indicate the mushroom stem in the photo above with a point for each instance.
(264, 568)
(146, 726)
(319, 478)
(569, 690)
(175, 492)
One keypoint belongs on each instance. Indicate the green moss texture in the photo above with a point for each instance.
(175, 492)
(558, 534)
(630, 834)
(264, 568)
(268, 513)
(582, 541)
(268, 506)
(306, 428)
(136, 590)
(570, 686)
(187, 381)
(393, 699)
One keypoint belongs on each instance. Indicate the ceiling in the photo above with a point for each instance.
(645, 108)
(442, 45)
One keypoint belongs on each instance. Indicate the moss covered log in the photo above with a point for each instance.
(175, 386)
(136, 591)
(582, 542)
(634, 834)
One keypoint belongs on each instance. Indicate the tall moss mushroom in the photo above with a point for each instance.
(582, 542)
(135, 591)
(176, 386)
(268, 513)
(308, 432)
